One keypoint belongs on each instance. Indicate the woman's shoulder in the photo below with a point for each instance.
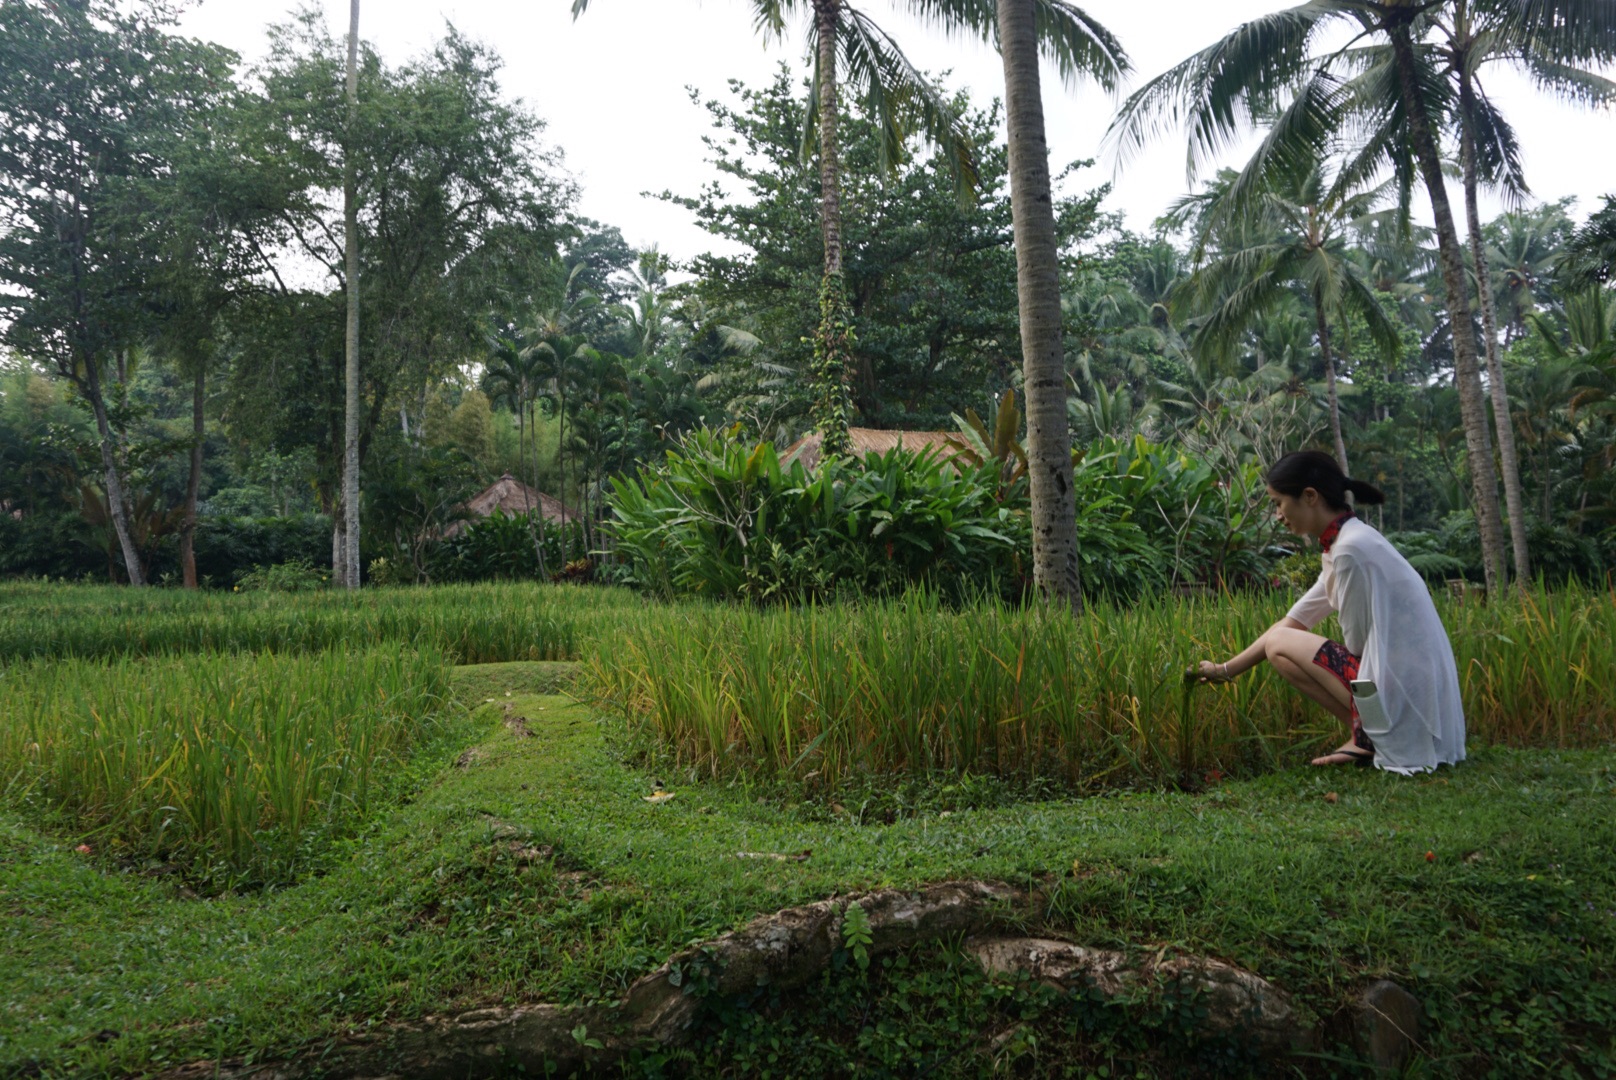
(1357, 536)
(1362, 542)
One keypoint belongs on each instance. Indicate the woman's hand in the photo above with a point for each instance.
(1208, 671)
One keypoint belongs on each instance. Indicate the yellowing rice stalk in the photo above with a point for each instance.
(909, 685)
(230, 764)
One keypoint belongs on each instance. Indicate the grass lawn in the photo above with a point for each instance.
(1488, 891)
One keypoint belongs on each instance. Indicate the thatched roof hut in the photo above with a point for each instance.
(515, 498)
(865, 441)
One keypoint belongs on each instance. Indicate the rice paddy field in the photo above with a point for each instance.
(911, 686)
(236, 828)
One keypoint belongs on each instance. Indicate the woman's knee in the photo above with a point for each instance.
(1285, 641)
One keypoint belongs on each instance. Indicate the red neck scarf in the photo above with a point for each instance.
(1332, 530)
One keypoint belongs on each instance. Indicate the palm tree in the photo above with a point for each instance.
(557, 309)
(1475, 33)
(846, 42)
(1525, 250)
(556, 358)
(1590, 321)
(1246, 77)
(1293, 238)
(1078, 44)
(1544, 392)
(647, 317)
(601, 386)
(346, 570)
(1590, 257)
(1574, 387)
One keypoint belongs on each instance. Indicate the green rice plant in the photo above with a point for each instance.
(236, 767)
(913, 685)
(471, 623)
(1537, 670)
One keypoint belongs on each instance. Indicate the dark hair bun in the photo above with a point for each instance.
(1295, 473)
(1365, 492)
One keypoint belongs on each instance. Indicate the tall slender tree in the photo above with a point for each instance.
(93, 114)
(1475, 33)
(348, 569)
(1270, 71)
(510, 378)
(1049, 447)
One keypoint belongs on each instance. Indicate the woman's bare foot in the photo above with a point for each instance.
(1348, 753)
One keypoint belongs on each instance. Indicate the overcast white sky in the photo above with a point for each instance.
(611, 89)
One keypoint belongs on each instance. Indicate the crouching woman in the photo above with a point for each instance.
(1391, 679)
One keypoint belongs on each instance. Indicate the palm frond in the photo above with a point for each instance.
(1590, 256)
(769, 17)
(1251, 297)
(1573, 30)
(1216, 92)
(1498, 151)
(1078, 45)
(1566, 81)
(1377, 126)
(898, 97)
(1068, 36)
(1358, 298)
(1297, 138)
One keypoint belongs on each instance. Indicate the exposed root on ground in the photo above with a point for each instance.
(785, 950)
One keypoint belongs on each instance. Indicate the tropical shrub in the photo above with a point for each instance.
(51, 545)
(1152, 515)
(296, 576)
(1560, 554)
(504, 547)
(1296, 573)
(723, 518)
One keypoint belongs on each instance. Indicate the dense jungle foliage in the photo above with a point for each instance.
(621, 381)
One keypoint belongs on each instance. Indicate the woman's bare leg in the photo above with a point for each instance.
(1291, 652)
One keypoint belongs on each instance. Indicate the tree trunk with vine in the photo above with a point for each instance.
(833, 341)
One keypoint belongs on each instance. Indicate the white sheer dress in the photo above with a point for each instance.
(1415, 717)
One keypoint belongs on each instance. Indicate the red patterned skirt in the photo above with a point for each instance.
(1334, 658)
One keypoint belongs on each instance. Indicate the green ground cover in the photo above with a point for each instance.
(514, 862)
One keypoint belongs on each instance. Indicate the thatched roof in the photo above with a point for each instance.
(865, 441)
(515, 498)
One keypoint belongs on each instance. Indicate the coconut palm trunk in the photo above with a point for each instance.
(1329, 385)
(833, 341)
(1049, 447)
(1508, 459)
(350, 228)
(1466, 370)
